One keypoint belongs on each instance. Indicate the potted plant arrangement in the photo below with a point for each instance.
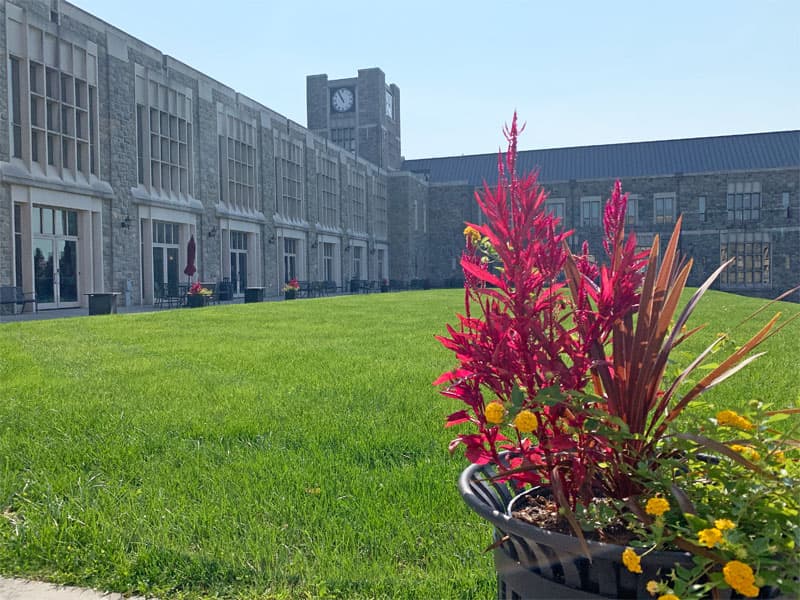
(290, 289)
(197, 295)
(596, 480)
(384, 285)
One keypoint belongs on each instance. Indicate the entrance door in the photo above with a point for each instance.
(239, 271)
(165, 269)
(55, 257)
(55, 275)
(238, 261)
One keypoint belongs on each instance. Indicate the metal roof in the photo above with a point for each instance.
(746, 152)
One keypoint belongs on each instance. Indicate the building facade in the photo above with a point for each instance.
(113, 156)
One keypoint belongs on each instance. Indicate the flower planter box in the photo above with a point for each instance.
(536, 563)
(196, 300)
(290, 294)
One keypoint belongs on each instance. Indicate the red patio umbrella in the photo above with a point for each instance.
(191, 252)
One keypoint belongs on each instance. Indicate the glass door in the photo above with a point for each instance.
(67, 273)
(239, 271)
(44, 275)
(56, 283)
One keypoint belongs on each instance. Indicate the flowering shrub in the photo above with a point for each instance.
(291, 286)
(562, 364)
(196, 289)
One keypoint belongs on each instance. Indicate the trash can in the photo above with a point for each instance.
(254, 294)
(103, 303)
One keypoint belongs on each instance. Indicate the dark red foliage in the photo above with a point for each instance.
(523, 332)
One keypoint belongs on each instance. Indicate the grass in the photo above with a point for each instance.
(275, 450)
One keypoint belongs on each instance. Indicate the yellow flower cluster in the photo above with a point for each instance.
(733, 419)
(526, 421)
(494, 411)
(656, 507)
(741, 578)
(746, 451)
(709, 537)
(472, 234)
(668, 597)
(631, 560)
(723, 524)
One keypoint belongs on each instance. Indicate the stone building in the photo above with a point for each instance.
(114, 155)
(739, 196)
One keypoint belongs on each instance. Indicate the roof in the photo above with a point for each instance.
(747, 152)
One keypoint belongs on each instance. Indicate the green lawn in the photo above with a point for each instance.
(274, 450)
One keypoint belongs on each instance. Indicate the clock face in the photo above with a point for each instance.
(342, 100)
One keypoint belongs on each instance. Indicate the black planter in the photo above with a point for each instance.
(195, 300)
(290, 294)
(536, 563)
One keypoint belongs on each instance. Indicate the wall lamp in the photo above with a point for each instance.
(212, 233)
(347, 248)
(126, 222)
(271, 239)
(372, 251)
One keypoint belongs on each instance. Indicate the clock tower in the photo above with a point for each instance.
(361, 114)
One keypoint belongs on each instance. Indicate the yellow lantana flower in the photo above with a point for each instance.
(656, 507)
(733, 419)
(709, 537)
(631, 560)
(723, 524)
(746, 451)
(495, 412)
(740, 577)
(526, 421)
(652, 587)
(472, 234)
(668, 597)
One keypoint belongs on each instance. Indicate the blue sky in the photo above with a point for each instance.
(579, 73)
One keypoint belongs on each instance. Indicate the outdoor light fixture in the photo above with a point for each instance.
(271, 239)
(347, 248)
(126, 222)
(212, 233)
(372, 251)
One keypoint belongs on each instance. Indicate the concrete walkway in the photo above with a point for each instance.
(22, 589)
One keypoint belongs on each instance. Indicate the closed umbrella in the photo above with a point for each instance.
(191, 251)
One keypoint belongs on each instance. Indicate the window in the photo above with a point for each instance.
(327, 261)
(237, 164)
(632, 210)
(329, 188)
(701, 208)
(16, 115)
(381, 219)
(556, 207)
(61, 122)
(752, 254)
(744, 201)
(358, 199)
(664, 208)
(164, 137)
(786, 204)
(590, 212)
(357, 262)
(389, 104)
(290, 167)
(344, 137)
(289, 259)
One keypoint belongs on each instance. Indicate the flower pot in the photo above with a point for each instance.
(290, 294)
(537, 563)
(384, 288)
(195, 300)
